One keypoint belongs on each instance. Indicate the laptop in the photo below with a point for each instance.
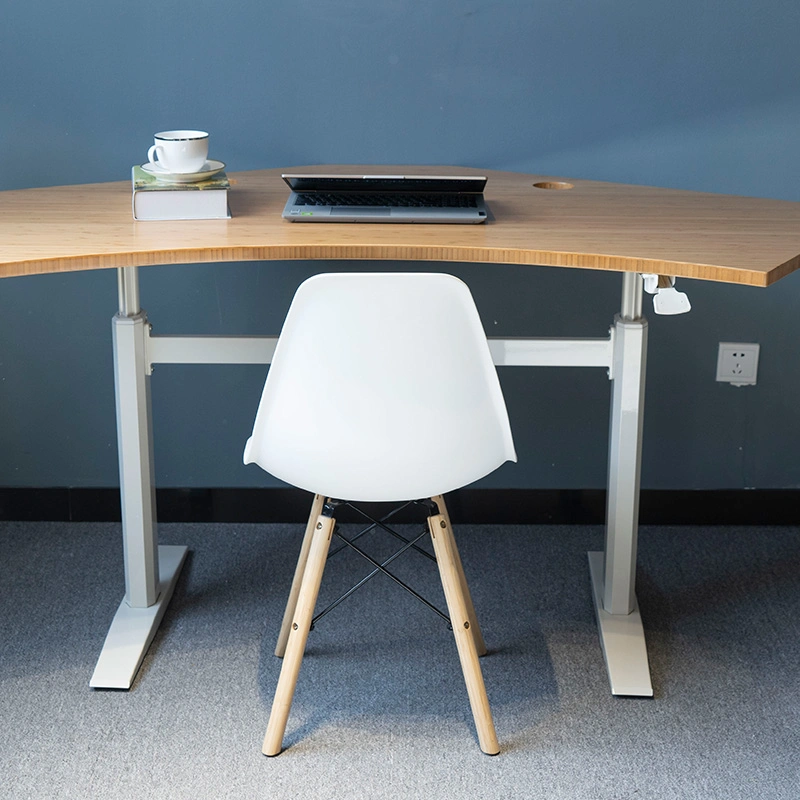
(385, 198)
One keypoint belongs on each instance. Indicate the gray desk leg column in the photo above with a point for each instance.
(613, 573)
(151, 572)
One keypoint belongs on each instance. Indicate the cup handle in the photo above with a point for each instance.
(151, 155)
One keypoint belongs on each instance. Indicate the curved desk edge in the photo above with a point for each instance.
(592, 225)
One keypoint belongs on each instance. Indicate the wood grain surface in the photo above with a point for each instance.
(583, 224)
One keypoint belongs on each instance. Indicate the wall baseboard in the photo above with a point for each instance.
(487, 506)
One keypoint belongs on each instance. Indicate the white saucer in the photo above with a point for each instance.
(208, 169)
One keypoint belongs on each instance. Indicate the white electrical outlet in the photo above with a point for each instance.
(737, 363)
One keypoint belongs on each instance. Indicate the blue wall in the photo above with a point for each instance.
(688, 94)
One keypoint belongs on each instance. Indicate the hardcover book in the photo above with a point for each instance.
(155, 199)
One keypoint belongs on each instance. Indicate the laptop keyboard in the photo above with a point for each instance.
(394, 200)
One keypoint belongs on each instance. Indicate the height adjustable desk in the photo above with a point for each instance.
(636, 231)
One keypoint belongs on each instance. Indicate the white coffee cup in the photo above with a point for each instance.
(180, 152)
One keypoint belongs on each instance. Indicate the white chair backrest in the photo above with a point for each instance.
(382, 387)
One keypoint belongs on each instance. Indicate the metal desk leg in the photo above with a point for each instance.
(151, 571)
(613, 573)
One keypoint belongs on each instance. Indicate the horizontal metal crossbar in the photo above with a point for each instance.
(511, 352)
(210, 349)
(551, 352)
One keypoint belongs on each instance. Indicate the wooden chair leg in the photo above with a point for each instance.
(447, 557)
(298, 635)
(480, 645)
(291, 603)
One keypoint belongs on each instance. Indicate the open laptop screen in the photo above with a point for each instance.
(385, 198)
(450, 184)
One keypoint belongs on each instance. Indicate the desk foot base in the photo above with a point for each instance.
(622, 638)
(133, 629)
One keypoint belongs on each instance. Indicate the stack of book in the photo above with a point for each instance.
(157, 199)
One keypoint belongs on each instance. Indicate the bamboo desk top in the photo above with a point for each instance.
(592, 225)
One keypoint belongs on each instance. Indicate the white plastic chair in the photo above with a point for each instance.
(382, 388)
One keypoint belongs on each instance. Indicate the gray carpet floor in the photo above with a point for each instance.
(380, 709)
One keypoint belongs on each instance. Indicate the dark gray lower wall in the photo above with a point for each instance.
(485, 506)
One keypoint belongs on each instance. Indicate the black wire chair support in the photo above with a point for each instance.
(381, 523)
(380, 567)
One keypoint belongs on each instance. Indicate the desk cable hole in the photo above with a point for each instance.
(553, 185)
